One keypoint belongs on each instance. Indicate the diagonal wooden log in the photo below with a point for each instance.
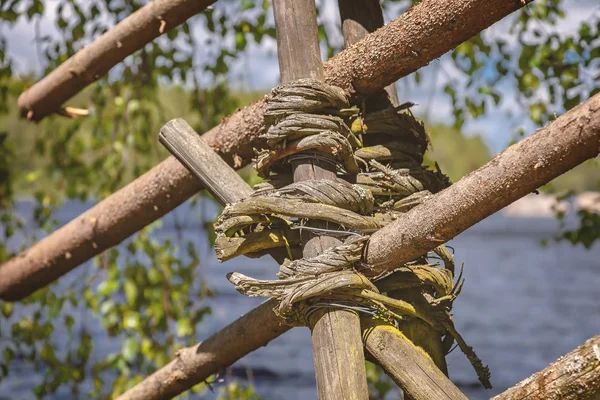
(201, 160)
(409, 366)
(425, 32)
(517, 171)
(574, 376)
(95, 60)
(195, 364)
(336, 337)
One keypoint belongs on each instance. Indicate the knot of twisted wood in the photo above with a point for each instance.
(387, 180)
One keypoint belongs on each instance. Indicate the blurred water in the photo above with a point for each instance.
(522, 306)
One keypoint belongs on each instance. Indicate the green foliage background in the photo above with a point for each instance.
(146, 296)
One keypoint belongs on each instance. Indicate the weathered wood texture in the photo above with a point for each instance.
(297, 40)
(561, 145)
(202, 160)
(336, 338)
(169, 184)
(359, 18)
(339, 358)
(409, 366)
(195, 364)
(575, 376)
(95, 60)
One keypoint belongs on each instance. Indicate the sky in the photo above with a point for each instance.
(257, 69)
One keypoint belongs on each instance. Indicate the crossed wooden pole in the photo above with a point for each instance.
(415, 39)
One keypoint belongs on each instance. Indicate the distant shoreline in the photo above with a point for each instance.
(545, 205)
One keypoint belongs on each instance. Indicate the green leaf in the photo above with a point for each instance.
(184, 327)
(131, 291)
(130, 349)
(7, 309)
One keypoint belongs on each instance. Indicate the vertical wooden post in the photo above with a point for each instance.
(336, 336)
(359, 18)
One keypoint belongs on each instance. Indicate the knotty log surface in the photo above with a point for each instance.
(169, 184)
(95, 60)
(409, 366)
(197, 363)
(575, 376)
(517, 171)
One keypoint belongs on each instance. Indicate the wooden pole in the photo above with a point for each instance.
(575, 376)
(359, 18)
(336, 337)
(197, 363)
(520, 169)
(409, 366)
(169, 184)
(94, 61)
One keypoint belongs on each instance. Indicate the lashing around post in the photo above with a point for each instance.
(378, 158)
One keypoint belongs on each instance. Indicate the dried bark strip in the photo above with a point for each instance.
(522, 168)
(169, 184)
(95, 60)
(575, 376)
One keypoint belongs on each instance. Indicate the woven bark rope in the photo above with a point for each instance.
(382, 154)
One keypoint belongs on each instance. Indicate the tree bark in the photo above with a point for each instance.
(575, 376)
(409, 366)
(95, 60)
(336, 337)
(517, 171)
(169, 184)
(195, 364)
(359, 18)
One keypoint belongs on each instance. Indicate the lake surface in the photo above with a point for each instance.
(522, 306)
